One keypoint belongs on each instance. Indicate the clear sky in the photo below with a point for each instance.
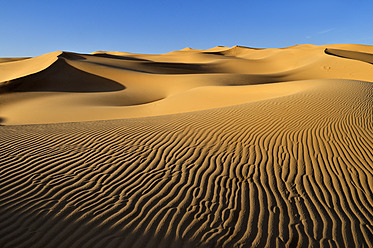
(35, 27)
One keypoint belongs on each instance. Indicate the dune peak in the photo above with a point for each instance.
(220, 147)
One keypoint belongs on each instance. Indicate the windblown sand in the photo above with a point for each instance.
(226, 147)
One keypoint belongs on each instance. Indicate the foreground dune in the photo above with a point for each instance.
(225, 147)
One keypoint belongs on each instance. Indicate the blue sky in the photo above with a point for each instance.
(31, 28)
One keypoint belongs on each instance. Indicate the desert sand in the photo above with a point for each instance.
(224, 147)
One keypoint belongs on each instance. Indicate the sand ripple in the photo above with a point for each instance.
(294, 171)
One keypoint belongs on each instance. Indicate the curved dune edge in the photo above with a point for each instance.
(60, 76)
(223, 147)
(15, 69)
(63, 107)
(71, 87)
(364, 57)
(294, 171)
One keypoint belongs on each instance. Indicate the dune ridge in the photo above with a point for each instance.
(278, 158)
(114, 85)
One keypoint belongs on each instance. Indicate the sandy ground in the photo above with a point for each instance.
(225, 147)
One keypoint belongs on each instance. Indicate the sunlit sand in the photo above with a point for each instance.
(225, 147)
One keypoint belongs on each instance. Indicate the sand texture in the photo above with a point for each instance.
(225, 147)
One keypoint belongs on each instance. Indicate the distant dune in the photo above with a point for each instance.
(224, 147)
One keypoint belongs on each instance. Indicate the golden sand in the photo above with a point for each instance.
(225, 147)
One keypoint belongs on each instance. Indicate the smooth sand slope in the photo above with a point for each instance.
(225, 147)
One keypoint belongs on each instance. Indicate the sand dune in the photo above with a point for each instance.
(365, 57)
(225, 147)
(67, 87)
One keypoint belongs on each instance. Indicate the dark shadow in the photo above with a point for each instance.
(71, 56)
(53, 223)
(61, 77)
(110, 56)
(215, 53)
(127, 67)
(180, 68)
(364, 57)
(167, 68)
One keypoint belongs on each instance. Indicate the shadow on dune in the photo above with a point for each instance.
(71, 56)
(62, 227)
(180, 68)
(151, 67)
(364, 57)
(61, 77)
(111, 56)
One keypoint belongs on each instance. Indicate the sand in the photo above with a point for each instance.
(225, 147)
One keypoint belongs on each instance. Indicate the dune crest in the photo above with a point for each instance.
(223, 147)
(123, 85)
